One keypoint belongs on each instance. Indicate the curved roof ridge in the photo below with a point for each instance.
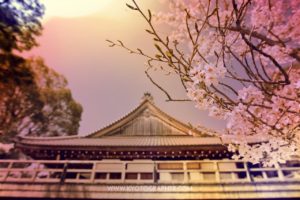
(50, 138)
(178, 121)
(184, 127)
(118, 120)
(208, 131)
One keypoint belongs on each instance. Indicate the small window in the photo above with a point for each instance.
(239, 165)
(131, 176)
(226, 166)
(20, 165)
(80, 165)
(194, 176)
(177, 176)
(241, 175)
(146, 176)
(84, 175)
(293, 163)
(170, 166)
(209, 176)
(71, 175)
(194, 165)
(56, 175)
(207, 166)
(257, 175)
(26, 175)
(4, 165)
(115, 176)
(55, 165)
(100, 176)
(257, 165)
(291, 173)
(272, 174)
(225, 176)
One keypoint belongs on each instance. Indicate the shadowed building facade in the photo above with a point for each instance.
(147, 154)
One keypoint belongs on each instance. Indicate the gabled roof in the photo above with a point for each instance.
(146, 125)
(146, 120)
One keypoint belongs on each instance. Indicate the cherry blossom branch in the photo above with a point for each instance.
(233, 65)
(238, 24)
(162, 89)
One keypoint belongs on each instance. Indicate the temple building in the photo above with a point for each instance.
(147, 154)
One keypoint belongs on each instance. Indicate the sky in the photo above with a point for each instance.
(108, 82)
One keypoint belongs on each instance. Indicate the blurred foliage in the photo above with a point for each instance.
(34, 99)
(19, 24)
(42, 108)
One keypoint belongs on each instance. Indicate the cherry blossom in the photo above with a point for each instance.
(267, 112)
(238, 59)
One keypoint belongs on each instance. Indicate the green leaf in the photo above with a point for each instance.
(196, 27)
(149, 31)
(150, 15)
(131, 7)
(216, 54)
(158, 56)
(158, 48)
(140, 51)
(169, 54)
(121, 43)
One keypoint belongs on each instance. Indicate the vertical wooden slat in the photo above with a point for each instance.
(217, 171)
(123, 172)
(35, 171)
(185, 173)
(279, 171)
(93, 174)
(248, 175)
(8, 170)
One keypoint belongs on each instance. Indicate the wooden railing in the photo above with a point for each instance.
(144, 171)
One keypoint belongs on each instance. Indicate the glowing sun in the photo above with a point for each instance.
(73, 8)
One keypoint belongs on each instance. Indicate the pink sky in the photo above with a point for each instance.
(109, 82)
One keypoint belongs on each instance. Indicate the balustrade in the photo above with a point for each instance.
(145, 171)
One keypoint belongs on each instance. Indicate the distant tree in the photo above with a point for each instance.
(19, 25)
(238, 59)
(44, 108)
(34, 99)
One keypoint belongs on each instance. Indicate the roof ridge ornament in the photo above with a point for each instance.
(147, 96)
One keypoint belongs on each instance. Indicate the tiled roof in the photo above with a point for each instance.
(125, 141)
(145, 126)
(148, 120)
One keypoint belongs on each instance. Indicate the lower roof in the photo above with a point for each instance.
(125, 141)
(118, 141)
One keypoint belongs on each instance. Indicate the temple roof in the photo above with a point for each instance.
(126, 141)
(146, 125)
(144, 133)
(147, 120)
